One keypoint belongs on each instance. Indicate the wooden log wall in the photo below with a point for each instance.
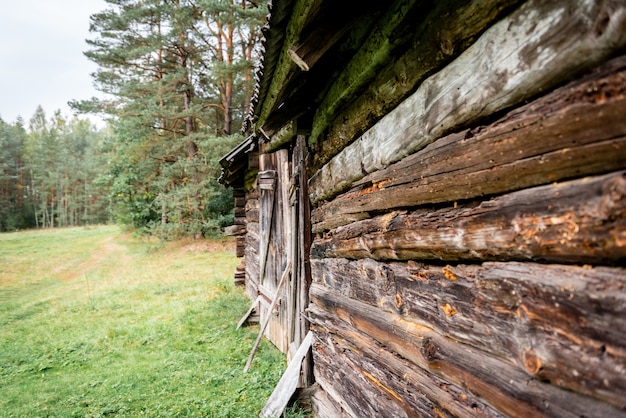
(251, 251)
(469, 248)
(530, 51)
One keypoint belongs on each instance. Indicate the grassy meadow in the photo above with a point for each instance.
(95, 322)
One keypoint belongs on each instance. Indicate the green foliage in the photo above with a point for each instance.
(179, 78)
(49, 174)
(94, 322)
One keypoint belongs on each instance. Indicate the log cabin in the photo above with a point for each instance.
(435, 191)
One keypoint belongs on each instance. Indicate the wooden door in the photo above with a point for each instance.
(284, 231)
(275, 223)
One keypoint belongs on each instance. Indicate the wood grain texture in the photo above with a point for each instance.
(367, 390)
(535, 48)
(322, 405)
(409, 44)
(563, 324)
(579, 221)
(493, 379)
(574, 131)
(286, 387)
(418, 392)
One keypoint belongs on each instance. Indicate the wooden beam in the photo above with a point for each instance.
(328, 27)
(574, 131)
(285, 68)
(557, 323)
(245, 316)
(538, 46)
(280, 138)
(493, 379)
(288, 383)
(580, 221)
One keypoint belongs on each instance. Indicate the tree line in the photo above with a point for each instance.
(51, 173)
(177, 80)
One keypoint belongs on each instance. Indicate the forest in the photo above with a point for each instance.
(176, 78)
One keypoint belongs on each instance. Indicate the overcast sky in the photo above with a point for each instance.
(41, 55)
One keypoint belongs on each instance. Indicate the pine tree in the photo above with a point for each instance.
(16, 209)
(173, 69)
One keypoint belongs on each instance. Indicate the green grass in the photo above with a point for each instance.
(95, 323)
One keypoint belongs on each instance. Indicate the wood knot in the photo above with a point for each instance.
(429, 350)
(398, 300)
(448, 310)
(532, 362)
(447, 272)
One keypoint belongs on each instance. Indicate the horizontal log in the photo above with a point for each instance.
(235, 230)
(538, 46)
(419, 392)
(280, 138)
(493, 379)
(240, 246)
(368, 391)
(574, 131)
(563, 324)
(580, 221)
(393, 61)
(240, 201)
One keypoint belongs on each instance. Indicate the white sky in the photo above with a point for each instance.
(41, 55)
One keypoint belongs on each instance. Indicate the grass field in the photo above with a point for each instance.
(95, 322)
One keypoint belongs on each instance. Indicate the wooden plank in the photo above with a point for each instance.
(278, 330)
(538, 46)
(304, 240)
(432, 37)
(493, 379)
(580, 221)
(323, 406)
(267, 203)
(563, 324)
(287, 384)
(574, 131)
(245, 316)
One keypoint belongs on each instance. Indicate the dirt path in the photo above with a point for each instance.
(107, 250)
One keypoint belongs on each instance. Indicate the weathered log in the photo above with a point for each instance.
(368, 391)
(538, 46)
(419, 392)
(240, 201)
(413, 53)
(252, 210)
(579, 221)
(500, 384)
(563, 324)
(574, 131)
(240, 246)
(280, 138)
(252, 260)
(235, 230)
(323, 406)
